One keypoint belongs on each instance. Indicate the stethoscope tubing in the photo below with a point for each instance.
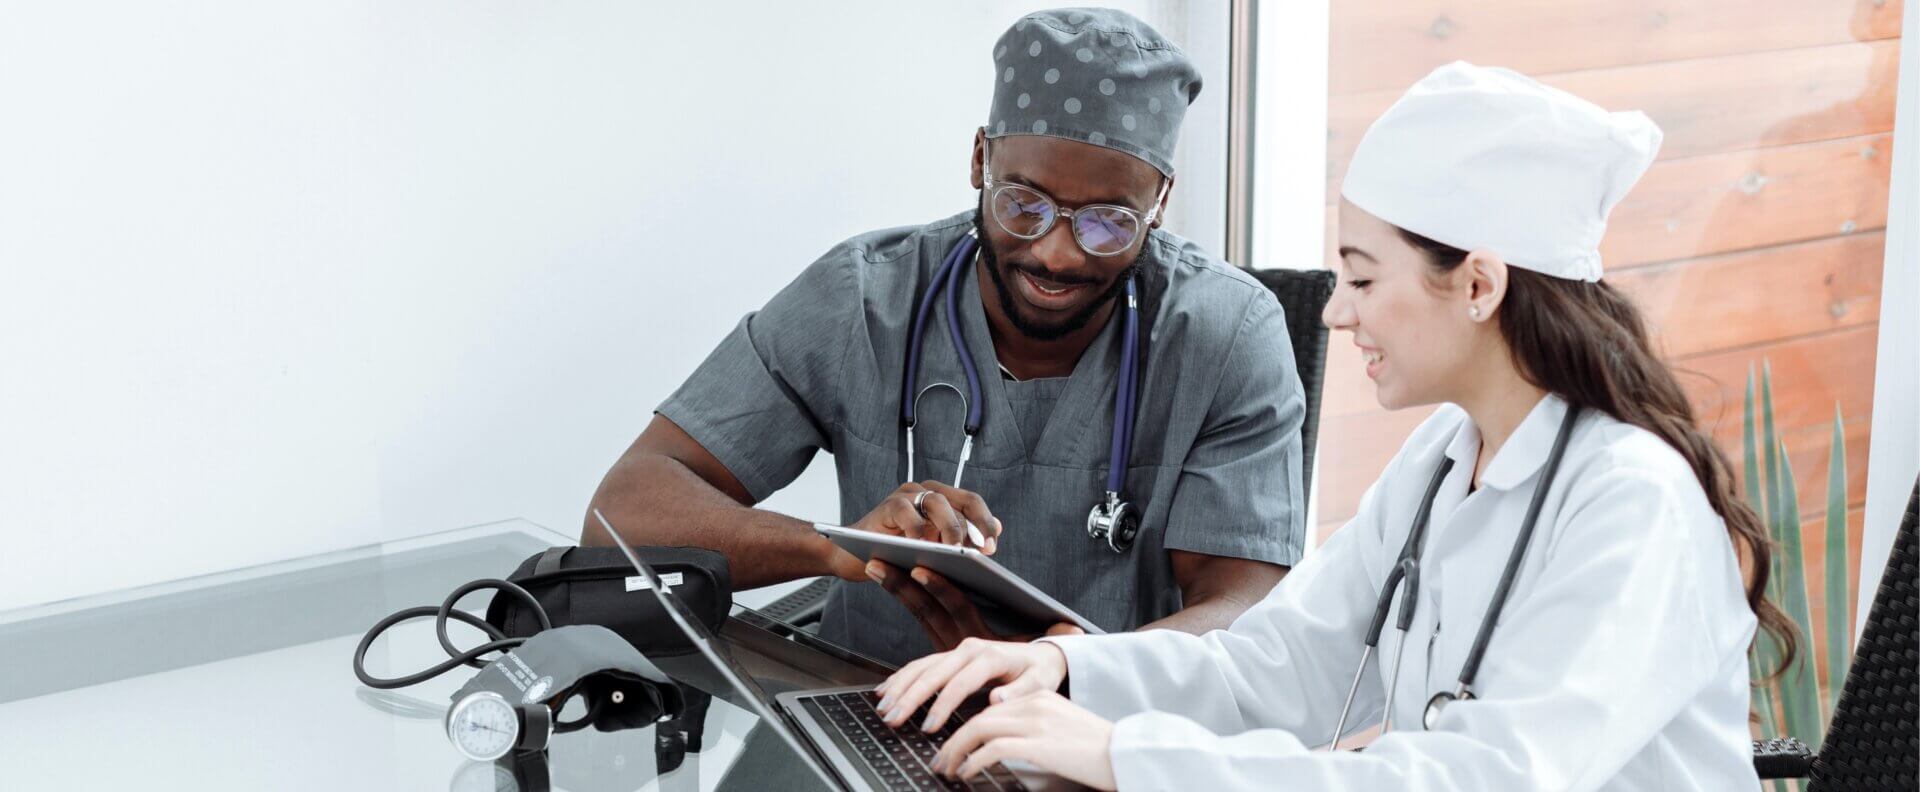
(947, 278)
(1407, 570)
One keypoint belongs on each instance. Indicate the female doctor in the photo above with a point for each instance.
(1612, 625)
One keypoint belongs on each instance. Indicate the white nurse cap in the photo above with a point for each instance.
(1487, 158)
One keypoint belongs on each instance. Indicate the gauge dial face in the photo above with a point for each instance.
(483, 726)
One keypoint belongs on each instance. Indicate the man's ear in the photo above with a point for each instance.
(1486, 286)
(979, 157)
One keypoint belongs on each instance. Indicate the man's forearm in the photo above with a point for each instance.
(1216, 590)
(654, 499)
(1199, 618)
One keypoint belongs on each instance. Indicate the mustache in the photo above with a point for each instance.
(1042, 273)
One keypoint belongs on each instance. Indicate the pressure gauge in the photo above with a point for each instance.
(483, 726)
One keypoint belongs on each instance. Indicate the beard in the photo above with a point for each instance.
(1032, 327)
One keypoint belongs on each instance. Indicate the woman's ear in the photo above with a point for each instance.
(1486, 275)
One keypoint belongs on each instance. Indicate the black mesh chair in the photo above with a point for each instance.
(1303, 295)
(1873, 743)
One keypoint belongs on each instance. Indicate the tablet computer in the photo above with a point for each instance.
(968, 568)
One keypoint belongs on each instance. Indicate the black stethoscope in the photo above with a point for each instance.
(1408, 569)
(1112, 520)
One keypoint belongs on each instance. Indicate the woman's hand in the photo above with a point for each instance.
(1019, 668)
(1043, 729)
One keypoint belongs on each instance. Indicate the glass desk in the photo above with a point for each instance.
(244, 680)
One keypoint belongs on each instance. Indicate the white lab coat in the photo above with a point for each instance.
(1620, 662)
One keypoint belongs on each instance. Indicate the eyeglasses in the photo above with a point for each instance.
(1100, 229)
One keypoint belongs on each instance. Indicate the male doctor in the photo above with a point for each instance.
(1074, 169)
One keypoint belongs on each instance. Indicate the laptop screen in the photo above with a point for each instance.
(716, 654)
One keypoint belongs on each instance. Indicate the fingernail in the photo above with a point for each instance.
(886, 703)
(873, 571)
(919, 576)
(992, 545)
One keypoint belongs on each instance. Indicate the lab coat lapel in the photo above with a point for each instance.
(1471, 552)
(1424, 664)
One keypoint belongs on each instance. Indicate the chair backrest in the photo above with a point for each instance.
(1303, 294)
(1873, 742)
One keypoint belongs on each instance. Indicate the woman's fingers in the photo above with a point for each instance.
(1048, 731)
(965, 682)
(996, 751)
(1020, 687)
(906, 674)
(907, 700)
(1004, 720)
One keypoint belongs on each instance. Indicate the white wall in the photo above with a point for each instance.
(282, 278)
(1894, 459)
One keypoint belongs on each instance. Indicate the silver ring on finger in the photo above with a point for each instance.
(918, 498)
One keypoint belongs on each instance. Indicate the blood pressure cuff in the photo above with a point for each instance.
(623, 690)
(597, 585)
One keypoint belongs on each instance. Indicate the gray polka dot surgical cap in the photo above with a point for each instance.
(1095, 75)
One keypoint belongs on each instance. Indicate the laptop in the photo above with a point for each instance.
(835, 731)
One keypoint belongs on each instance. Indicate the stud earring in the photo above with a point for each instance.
(1473, 311)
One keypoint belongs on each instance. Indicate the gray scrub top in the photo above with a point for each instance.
(1215, 466)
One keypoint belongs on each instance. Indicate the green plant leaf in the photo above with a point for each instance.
(1751, 452)
(1763, 701)
(1770, 472)
(1839, 582)
(1770, 443)
(1800, 689)
(1760, 659)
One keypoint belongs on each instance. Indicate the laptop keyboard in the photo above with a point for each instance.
(898, 759)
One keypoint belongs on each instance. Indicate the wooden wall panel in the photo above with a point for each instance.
(1727, 301)
(1706, 205)
(1756, 296)
(1573, 35)
(1705, 105)
(1353, 451)
(1810, 375)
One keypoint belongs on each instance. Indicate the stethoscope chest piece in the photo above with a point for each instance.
(1112, 521)
(1438, 704)
(1115, 522)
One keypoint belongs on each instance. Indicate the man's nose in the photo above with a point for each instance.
(1058, 251)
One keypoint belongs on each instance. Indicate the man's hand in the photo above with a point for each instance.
(942, 609)
(942, 516)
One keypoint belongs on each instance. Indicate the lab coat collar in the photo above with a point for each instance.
(1524, 453)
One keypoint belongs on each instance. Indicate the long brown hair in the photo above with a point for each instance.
(1586, 343)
